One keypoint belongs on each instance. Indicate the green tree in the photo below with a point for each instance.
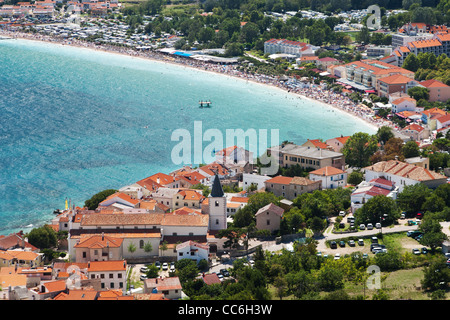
(432, 232)
(94, 201)
(330, 278)
(411, 63)
(43, 237)
(412, 198)
(355, 178)
(384, 133)
(376, 208)
(358, 149)
(418, 93)
(436, 275)
(410, 149)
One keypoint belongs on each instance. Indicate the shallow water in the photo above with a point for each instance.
(76, 121)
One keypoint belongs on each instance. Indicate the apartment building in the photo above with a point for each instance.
(307, 157)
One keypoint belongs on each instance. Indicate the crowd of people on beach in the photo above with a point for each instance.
(307, 89)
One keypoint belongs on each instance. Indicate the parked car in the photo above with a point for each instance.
(413, 234)
(350, 219)
(369, 226)
(361, 242)
(342, 243)
(362, 227)
(144, 269)
(172, 266)
(365, 256)
(219, 275)
(333, 245)
(374, 239)
(319, 254)
(416, 251)
(143, 277)
(158, 264)
(337, 256)
(165, 266)
(341, 225)
(379, 250)
(424, 250)
(351, 243)
(342, 213)
(224, 272)
(378, 225)
(376, 246)
(419, 215)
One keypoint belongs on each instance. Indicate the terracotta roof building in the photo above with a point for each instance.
(402, 174)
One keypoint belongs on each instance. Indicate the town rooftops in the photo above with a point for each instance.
(434, 111)
(432, 83)
(372, 190)
(425, 43)
(272, 208)
(414, 127)
(377, 67)
(99, 242)
(280, 180)
(191, 243)
(120, 196)
(327, 171)
(164, 284)
(121, 219)
(395, 79)
(210, 278)
(110, 265)
(309, 152)
(403, 99)
(319, 144)
(405, 170)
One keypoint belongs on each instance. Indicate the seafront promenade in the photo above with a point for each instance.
(308, 90)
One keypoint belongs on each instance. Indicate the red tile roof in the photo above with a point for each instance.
(327, 171)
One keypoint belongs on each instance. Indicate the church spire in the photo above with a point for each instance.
(216, 190)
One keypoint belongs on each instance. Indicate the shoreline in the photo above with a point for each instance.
(311, 92)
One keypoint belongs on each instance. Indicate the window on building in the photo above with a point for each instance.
(111, 275)
(141, 244)
(268, 222)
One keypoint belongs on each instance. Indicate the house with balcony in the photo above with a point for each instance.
(330, 177)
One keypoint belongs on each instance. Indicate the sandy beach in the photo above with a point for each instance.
(310, 91)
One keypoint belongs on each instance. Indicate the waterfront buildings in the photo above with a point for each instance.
(307, 157)
(295, 48)
(370, 72)
(402, 174)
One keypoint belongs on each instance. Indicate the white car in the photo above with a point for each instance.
(337, 256)
(369, 226)
(378, 225)
(165, 266)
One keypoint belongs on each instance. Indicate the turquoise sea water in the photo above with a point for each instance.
(75, 121)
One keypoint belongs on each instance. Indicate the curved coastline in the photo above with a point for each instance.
(313, 94)
(234, 76)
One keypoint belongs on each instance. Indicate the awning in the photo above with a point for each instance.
(370, 91)
(183, 54)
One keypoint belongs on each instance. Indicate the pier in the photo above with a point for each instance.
(205, 104)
